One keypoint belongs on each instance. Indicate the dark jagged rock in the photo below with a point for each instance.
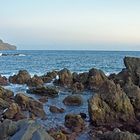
(133, 66)
(44, 91)
(121, 78)
(21, 78)
(73, 100)
(81, 78)
(65, 78)
(35, 81)
(133, 92)
(96, 78)
(49, 76)
(110, 105)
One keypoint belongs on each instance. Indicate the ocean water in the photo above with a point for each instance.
(40, 62)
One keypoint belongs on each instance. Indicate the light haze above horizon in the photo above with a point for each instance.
(71, 24)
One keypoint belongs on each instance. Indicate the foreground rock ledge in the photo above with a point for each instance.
(23, 130)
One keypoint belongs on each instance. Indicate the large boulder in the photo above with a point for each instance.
(35, 81)
(30, 104)
(44, 91)
(65, 78)
(74, 122)
(133, 66)
(21, 78)
(73, 100)
(110, 105)
(96, 78)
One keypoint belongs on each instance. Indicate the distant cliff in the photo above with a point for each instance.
(6, 46)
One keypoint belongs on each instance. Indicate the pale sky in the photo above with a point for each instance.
(71, 24)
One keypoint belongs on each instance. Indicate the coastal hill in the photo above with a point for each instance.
(6, 46)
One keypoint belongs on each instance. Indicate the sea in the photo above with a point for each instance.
(42, 61)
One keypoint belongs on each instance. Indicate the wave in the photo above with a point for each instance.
(21, 55)
(16, 54)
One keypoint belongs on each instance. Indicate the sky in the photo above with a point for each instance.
(71, 24)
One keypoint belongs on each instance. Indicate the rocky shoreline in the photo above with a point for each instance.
(114, 108)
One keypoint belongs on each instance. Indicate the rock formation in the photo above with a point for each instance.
(6, 46)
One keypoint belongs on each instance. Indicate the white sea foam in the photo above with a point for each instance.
(57, 77)
(21, 55)
(0, 54)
